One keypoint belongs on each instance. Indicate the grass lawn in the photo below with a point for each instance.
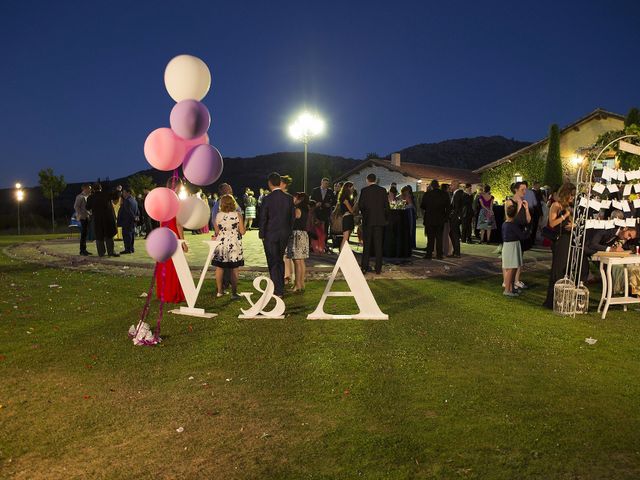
(459, 383)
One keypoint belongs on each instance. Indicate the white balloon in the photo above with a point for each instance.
(193, 214)
(187, 78)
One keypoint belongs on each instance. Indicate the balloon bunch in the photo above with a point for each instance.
(185, 144)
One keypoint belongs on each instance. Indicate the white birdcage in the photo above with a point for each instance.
(582, 299)
(564, 297)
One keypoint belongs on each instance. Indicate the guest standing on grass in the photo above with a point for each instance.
(435, 207)
(512, 234)
(345, 208)
(486, 218)
(298, 247)
(249, 209)
(82, 215)
(522, 219)
(100, 204)
(325, 199)
(560, 221)
(168, 288)
(127, 217)
(455, 217)
(229, 229)
(374, 207)
(407, 196)
(276, 224)
(467, 214)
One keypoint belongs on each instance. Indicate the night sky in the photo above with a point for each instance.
(82, 81)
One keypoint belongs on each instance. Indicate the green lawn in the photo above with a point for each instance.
(459, 383)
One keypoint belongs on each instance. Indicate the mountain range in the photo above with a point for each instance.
(240, 172)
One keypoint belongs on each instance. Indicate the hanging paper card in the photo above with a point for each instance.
(627, 190)
(606, 173)
(583, 202)
(636, 203)
(629, 147)
(621, 175)
(590, 224)
(598, 187)
(636, 187)
(616, 204)
(625, 206)
(613, 188)
(608, 224)
(595, 204)
(631, 222)
(619, 222)
(601, 224)
(605, 203)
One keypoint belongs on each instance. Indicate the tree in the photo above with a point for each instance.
(633, 118)
(139, 183)
(553, 167)
(52, 186)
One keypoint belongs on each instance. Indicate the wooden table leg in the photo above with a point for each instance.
(609, 292)
(603, 275)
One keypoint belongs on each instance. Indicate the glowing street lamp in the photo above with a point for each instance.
(19, 198)
(307, 125)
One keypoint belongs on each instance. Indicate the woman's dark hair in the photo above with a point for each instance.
(564, 192)
(344, 191)
(393, 190)
(487, 189)
(304, 199)
(512, 209)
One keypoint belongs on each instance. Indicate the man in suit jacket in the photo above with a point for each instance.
(276, 224)
(435, 204)
(374, 207)
(467, 214)
(128, 216)
(610, 240)
(82, 215)
(455, 217)
(100, 203)
(325, 199)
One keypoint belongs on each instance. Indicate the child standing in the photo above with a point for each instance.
(512, 233)
(229, 228)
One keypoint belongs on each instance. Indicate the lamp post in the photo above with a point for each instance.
(19, 198)
(303, 128)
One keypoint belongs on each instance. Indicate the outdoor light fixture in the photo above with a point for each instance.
(577, 160)
(307, 125)
(19, 198)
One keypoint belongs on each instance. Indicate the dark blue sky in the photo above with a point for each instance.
(82, 81)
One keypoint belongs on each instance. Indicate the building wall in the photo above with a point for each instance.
(385, 178)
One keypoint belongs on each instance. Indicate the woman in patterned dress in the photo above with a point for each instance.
(229, 228)
(298, 248)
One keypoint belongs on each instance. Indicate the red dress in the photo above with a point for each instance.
(168, 287)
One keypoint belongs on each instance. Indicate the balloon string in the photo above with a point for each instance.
(145, 310)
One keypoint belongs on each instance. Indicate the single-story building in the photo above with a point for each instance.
(417, 175)
(529, 162)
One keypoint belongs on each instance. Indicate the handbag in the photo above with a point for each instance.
(336, 221)
(549, 233)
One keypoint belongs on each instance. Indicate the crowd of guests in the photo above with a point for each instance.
(293, 225)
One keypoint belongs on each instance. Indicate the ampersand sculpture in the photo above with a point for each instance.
(257, 309)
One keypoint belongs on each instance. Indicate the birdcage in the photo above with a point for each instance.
(582, 299)
(564, 297)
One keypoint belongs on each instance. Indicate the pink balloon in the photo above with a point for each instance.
(164, 150)
(161, 244)
(162, 204)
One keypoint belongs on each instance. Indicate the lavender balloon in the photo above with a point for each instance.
(189, 119)
(161, 244)
(202, 165)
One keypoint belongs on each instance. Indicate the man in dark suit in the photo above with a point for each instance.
(100, 203)
(276, 223)
(325, 199)
(128, 215)
(610, 240)
(435, 204)
(455, 217)
(374, 207)
(467, 214)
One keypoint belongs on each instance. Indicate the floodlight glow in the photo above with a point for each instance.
(306, 125)
(577, 160)
(20, 195)
(18, 186)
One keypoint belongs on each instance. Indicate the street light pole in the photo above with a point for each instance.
(306, 143)
(18, 217)
(19, 197)
(305, 127)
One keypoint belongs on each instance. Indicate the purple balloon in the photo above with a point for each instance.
(189, 119)
(161, 244)
(203, 165)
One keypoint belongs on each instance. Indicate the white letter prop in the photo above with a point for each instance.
(369, 309)
(189, 288)
(257, 309)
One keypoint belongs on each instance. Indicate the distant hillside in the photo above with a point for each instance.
(469, 153)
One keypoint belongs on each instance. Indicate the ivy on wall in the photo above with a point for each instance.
(529, 165)
(628, 161)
